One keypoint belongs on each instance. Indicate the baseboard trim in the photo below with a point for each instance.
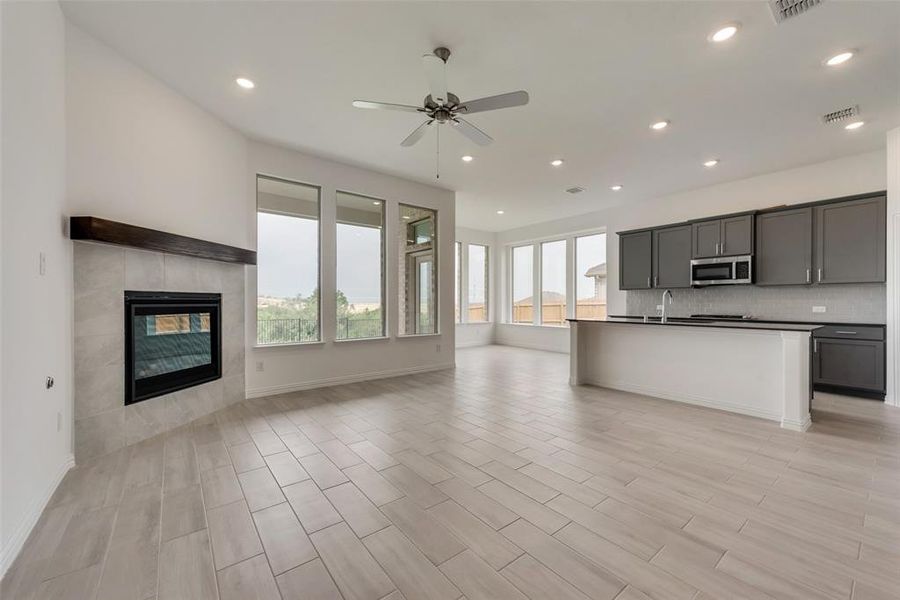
(16, 542)
(687, 399)
(800, 426)
(475, 344)
(344, 379)
(529, 346)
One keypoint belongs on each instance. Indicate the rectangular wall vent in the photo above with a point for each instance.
(840, 115)
(786, 9)
(575, 190)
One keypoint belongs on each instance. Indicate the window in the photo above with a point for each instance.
(553, 283)
(457, 297)
(590, 276)
(523, 284)
(287, 301)
(418, 275)
(477, 283)
(360, 267)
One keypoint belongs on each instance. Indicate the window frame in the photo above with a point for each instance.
(487, 282)
(319, 233)
(436, 256)
(539, 301)
(512, 282)
(576, 275)
(383, 247)
(458, 292)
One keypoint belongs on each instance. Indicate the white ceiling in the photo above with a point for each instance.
(598, 75)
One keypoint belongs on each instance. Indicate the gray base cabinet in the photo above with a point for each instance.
(784, 247)
(857, 364)
(635, 260)
(850, 241)
(672, 257)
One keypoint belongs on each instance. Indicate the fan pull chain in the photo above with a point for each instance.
(437, 160)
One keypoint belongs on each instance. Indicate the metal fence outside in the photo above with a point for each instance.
(292, 331)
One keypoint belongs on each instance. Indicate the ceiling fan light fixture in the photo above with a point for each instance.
(659, 125)
(726, 32)
(245, 83)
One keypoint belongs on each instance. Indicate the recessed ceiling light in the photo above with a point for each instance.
(406, 217)
(711, 162)
(556, 162)
(839, 59)
(854, 125)
(724, 33)
(376, 202)
(499, 212)
(659, 125)
(616, 187)
(245, 83)
(467, 158)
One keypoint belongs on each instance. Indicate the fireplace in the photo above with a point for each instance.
(173, 341)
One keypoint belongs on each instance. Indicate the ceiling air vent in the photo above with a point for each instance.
(785, 9)
(575, 190)
(840, 115)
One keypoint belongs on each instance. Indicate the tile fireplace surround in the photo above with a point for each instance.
(102, 273)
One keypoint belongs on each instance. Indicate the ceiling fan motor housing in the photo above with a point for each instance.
(441, 114)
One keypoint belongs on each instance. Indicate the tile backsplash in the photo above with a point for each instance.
(862, 303)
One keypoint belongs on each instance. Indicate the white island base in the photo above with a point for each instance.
(752, 371)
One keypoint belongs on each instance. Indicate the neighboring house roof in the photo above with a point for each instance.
(546, 298)
(597, 271)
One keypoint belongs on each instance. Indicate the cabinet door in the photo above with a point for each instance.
(635, 260)
(672, 257)
(737, 236)
(850, 241)
(784, 247)
(849, 363)
(707, 237)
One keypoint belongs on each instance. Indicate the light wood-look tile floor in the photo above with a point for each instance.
(493, 481)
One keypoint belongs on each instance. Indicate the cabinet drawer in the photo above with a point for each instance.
(850, 332)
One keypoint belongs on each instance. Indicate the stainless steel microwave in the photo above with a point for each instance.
(724, 270)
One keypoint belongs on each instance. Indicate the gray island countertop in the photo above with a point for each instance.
(708, 323)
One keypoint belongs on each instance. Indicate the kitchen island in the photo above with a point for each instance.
(753, 368)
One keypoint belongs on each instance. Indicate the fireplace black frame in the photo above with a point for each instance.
(149, 303)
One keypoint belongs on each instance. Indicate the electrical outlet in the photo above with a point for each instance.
(42, 264)
(260, 366)
(819, 309)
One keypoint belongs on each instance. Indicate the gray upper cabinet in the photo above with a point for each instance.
(850, 241)
(635, 260)
(707, 237)
(672, 257)
(729, 236)
(737, 236)
(784, 247)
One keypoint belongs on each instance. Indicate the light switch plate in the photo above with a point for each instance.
(819, 309)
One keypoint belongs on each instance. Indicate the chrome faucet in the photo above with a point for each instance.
(667, 293)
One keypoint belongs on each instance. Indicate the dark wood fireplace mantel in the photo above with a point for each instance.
(96, 229)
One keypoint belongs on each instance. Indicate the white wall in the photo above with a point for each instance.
(36, 309)
(141, 153)
(479, 334)
(841, 177)
(287, 368)
(893, 267)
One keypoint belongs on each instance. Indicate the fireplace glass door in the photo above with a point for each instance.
(173, 341)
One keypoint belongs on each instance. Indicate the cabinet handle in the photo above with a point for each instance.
(717, 248)
(846, 332)
(807, 276)
(648, 282)
(820, 274)
(655, 280)
(815, 346)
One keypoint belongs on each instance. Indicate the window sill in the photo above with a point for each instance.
(477, 323)
(536, 326)
(412, 336)
(287, 345)
(380, 338)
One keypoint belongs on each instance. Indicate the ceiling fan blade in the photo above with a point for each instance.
(386, 106)
(417, 134)
(511, 99)
(472, 132)
(437, 77)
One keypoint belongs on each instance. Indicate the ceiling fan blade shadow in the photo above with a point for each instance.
(386, 106)
(509, 100)
(416, 135)
(435, 72)
(472, 132)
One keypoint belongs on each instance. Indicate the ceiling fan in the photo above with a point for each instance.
(441, 106)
